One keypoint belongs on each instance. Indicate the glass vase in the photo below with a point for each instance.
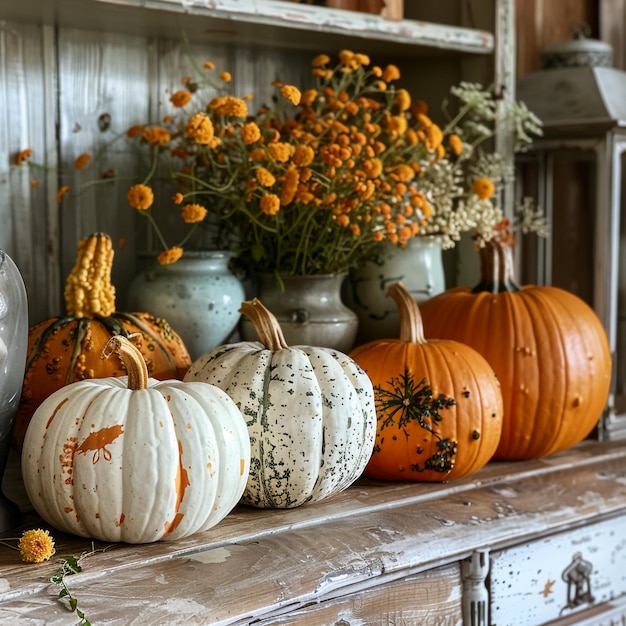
(13, 347)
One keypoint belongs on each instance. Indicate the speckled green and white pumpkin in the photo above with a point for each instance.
(135, 459)
(309, 410)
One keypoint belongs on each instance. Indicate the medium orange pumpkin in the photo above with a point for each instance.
(62, 350)
(548, 348)
(438, 403)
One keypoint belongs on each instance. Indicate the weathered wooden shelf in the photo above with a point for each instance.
(259, 565)
(276, 23)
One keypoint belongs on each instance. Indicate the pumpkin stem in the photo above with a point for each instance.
(411, 326)
(132, 358)
(88, 289)
(497, 268)
(266, 325)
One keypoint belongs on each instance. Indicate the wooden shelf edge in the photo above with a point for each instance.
(298, 23)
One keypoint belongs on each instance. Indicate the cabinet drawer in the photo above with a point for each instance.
(560, 576)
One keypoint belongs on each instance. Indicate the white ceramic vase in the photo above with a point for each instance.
(198, 295)
(419, 266)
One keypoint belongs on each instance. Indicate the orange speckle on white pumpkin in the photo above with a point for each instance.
(68, 509)
(120, 521)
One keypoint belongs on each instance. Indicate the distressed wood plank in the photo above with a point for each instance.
(373, 533)
(267, 22)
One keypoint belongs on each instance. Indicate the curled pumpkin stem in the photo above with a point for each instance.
(132, 358)
(265, 324)
(411, 325)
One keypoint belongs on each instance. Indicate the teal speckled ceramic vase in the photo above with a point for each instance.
(198, 295)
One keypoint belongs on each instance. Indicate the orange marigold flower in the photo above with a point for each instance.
(193, 213)
(290, 186)
(200, 128)
(61, 193)
(209, 65)
(424, 120)
(441, 151)
(265, 177)
(373, 168)
(346, 56)
(34, 184)
(134, 131)
(434, 137)
(36, 546)
(250, 132)
(22, 156)
(456, 144)
(362, 59)
(229, 105)
(483, 188)
(303, 155)
(419, 107)
(378, 235)
(157, 135)
(177, 198)
(343, 220)
(167, 257)
(270, 204)
(390, 73)
(281, 151)
(397, 125)
(403, 100)
(258, 155)
(140, 197)
(320, 59)
(292, 94)
(392, 238)
(405, 233)
(81, 161)
(180, 98)
(356, 230)
(226, 77)
(377, 71)
(308, 97)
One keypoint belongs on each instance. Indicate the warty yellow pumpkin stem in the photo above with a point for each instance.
(411, 326)
(88, 289)
(266, 325)
(132, 358)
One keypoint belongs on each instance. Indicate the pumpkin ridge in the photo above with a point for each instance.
(434, 361)
(82, 326)
(144, 328)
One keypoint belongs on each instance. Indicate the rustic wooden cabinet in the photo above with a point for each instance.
(516, 544)
(64, 64)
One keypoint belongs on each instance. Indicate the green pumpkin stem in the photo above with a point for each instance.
(132, 358)
(497, 267)
(411, 326)
(265, 324)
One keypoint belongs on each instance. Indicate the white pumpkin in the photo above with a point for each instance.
(310, 413)
(134, 459)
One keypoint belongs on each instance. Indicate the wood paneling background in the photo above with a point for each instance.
(541, 23)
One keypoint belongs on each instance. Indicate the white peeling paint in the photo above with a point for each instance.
(219, 555)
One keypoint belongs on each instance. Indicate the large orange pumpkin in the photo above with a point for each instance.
(62, 350)
(438, 403)
(548, 348)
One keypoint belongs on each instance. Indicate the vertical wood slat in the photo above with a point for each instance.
(27, 120)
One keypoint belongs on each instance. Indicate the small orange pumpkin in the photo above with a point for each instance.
(62, 350)
(438, 402)
(548, 348)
